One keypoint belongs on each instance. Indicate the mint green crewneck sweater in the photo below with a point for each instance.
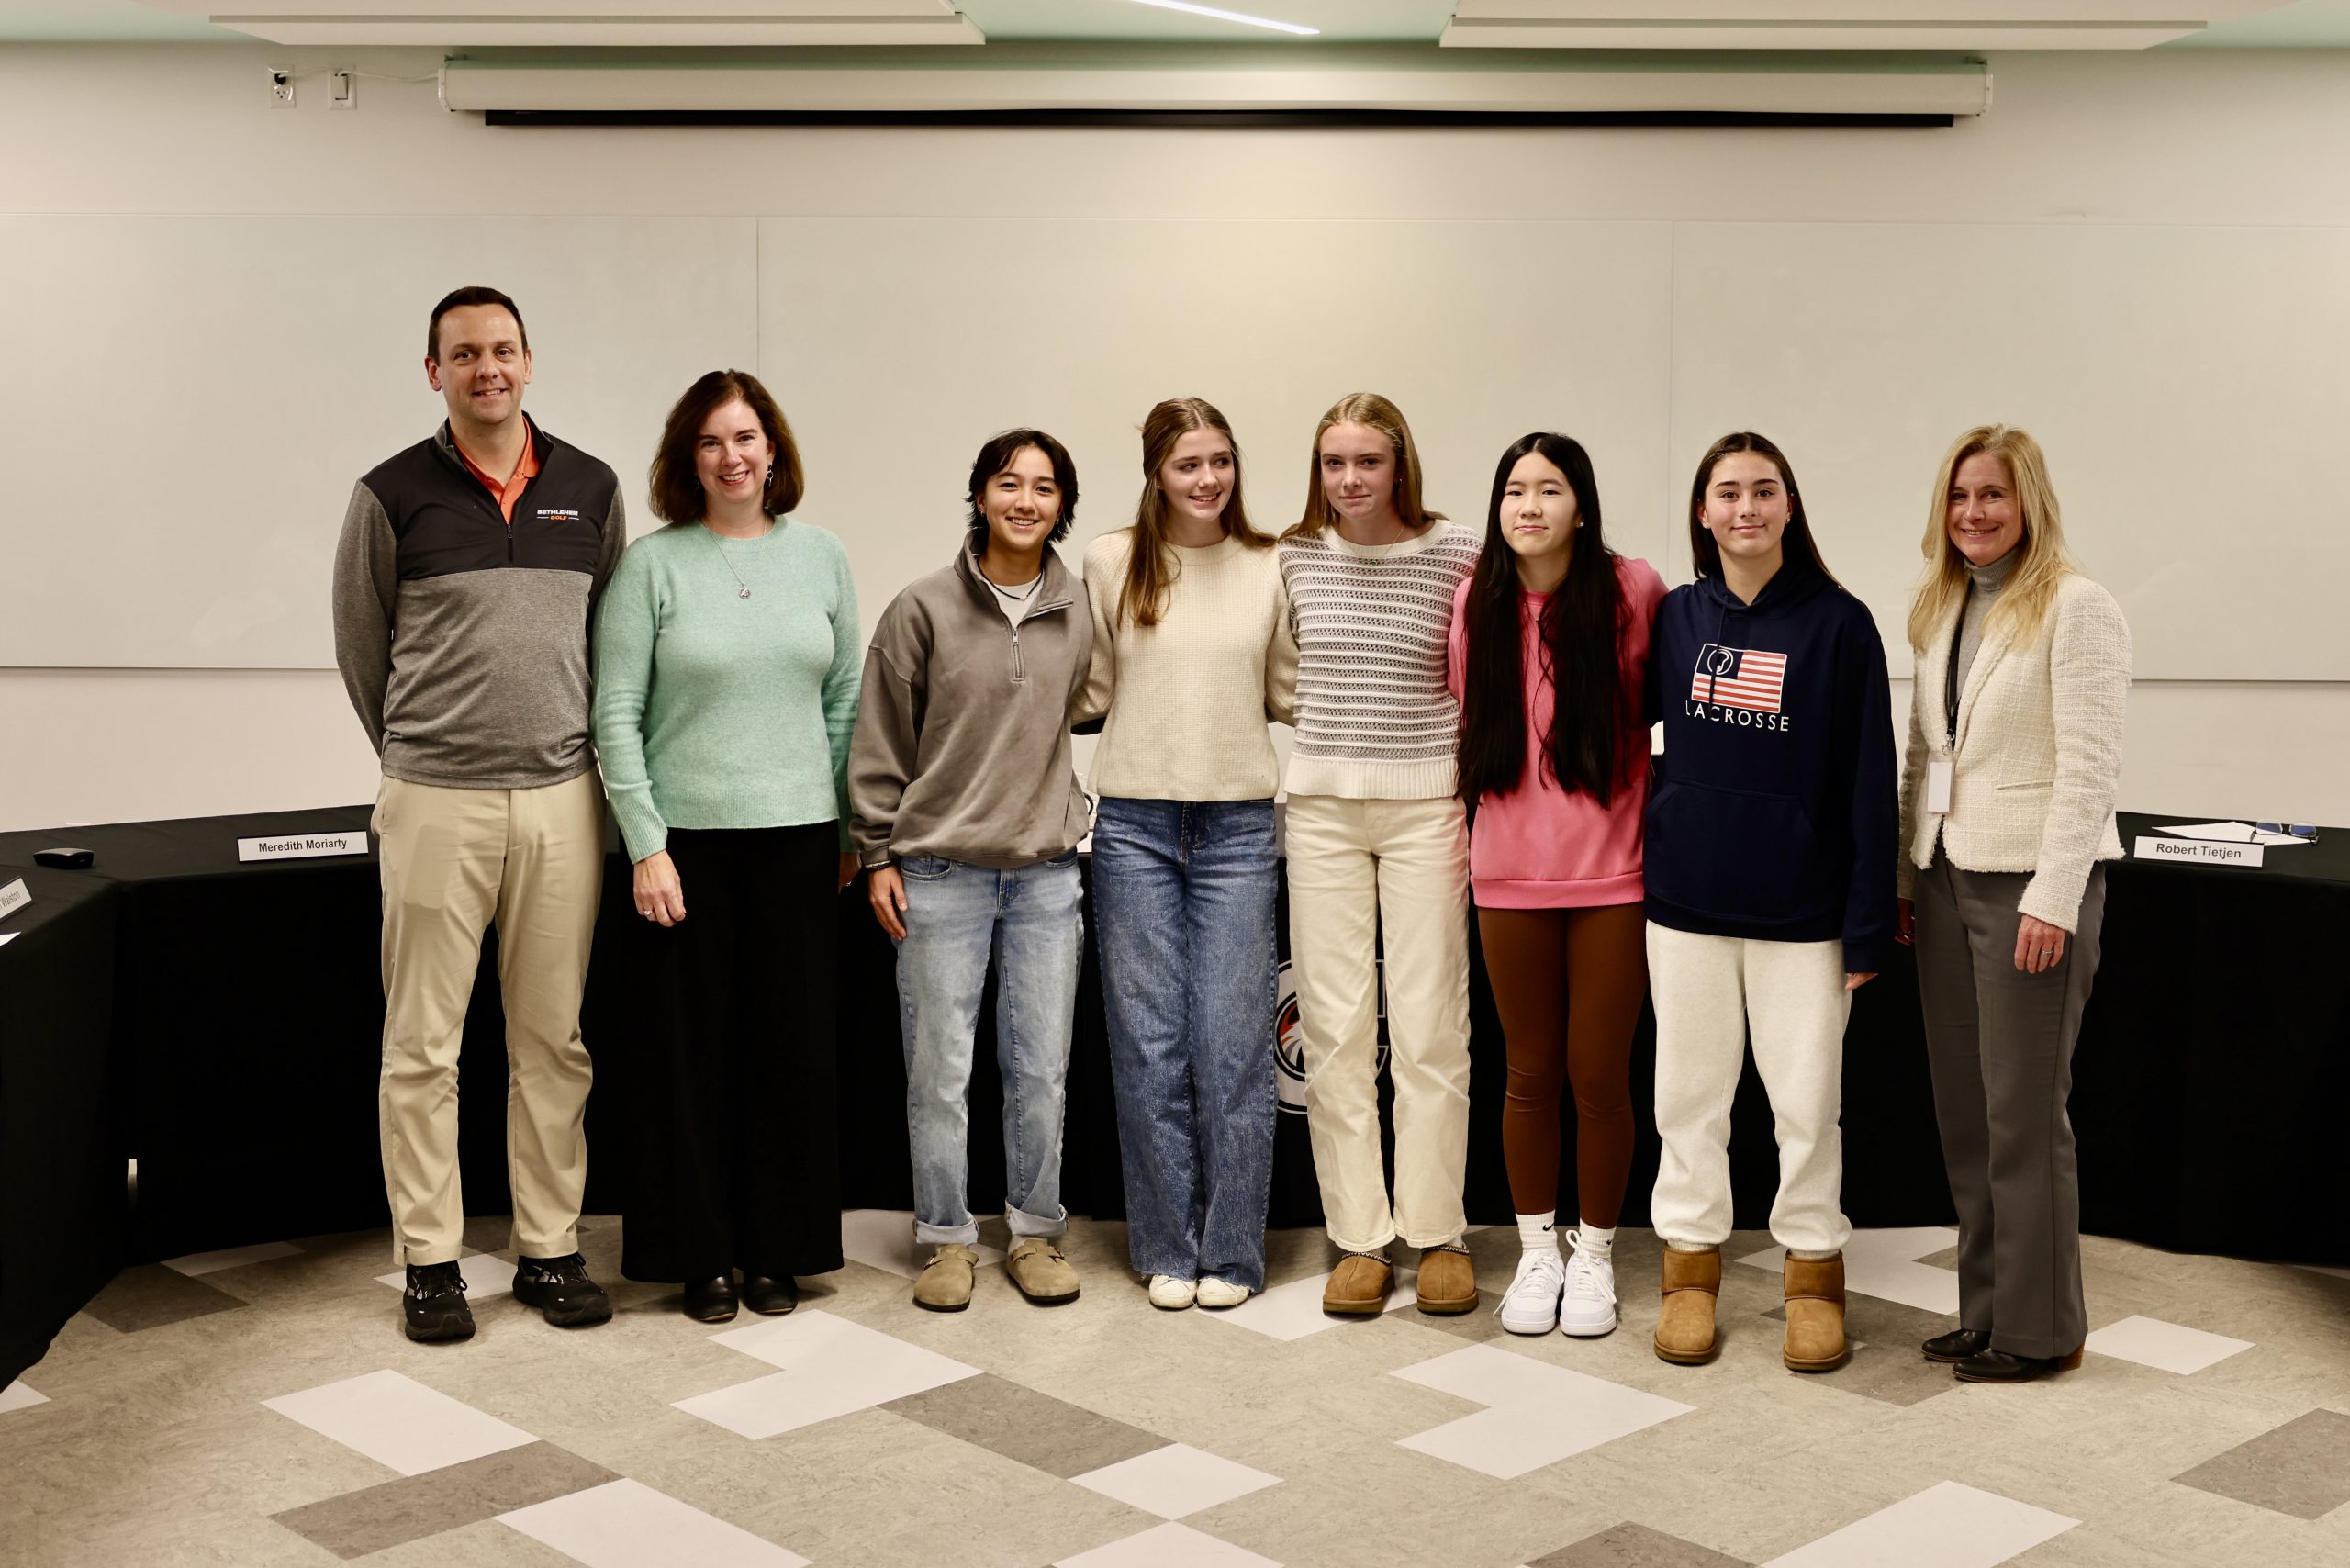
(713, 711)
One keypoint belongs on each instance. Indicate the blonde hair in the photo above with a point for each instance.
(2041, 562)
(1374, 412)
(1150, 563)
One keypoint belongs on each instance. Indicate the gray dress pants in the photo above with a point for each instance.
(2000, 1043)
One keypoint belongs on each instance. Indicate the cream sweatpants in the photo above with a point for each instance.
(1393, 873)
(1709, 992)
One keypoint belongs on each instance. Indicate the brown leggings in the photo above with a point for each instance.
(1569, 984)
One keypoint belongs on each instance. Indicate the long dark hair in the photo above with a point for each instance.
(1592, 720)
(1795, 544)
(677, 495)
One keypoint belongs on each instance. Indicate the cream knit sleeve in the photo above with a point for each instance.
(2088, 676)
(1913, 792)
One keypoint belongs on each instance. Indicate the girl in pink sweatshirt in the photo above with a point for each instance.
(1548, 653)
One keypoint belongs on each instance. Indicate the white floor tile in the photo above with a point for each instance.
(485, 1275)
(1175, 1481)
(2171, 1347)
(16, 1396)
(1168, 1546)
(1883, 1263)
(1295, 1310)
(1946, 1525)
(832, 1367)
(1540, 1414)
(232, 1257)
(625, 1524)
(398, 1421)
(884, 1238)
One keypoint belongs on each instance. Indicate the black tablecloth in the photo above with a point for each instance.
(61, 1200)
(247, 1012)
(2213, 1071)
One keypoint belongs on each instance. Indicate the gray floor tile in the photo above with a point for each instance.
(1635, 1546)
(414, 1506)
(1019, 1423)
(151, 1296)
(2302, 1468)
(1886, 1363)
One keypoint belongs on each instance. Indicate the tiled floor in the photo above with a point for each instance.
(260, 1407)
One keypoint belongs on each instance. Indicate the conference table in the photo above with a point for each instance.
(218, 1022)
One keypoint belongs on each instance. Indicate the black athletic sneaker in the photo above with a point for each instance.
(434, 1303)
(560, 1288)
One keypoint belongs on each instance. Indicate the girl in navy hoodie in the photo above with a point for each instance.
(1769, 884)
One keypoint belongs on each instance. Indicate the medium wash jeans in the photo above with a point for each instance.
(1184, 897)
(957, 916)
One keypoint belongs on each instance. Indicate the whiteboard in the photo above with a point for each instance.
(189, 401)
(899, 345)
(2191, 385)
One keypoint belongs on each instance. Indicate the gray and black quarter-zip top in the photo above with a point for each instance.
(962, 747)
(464, 641)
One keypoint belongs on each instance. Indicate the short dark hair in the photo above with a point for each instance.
(472, 294)
(997, 455)
(677, 487)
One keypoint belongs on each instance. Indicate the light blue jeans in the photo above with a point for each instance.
(1183, 899)
(958, 917)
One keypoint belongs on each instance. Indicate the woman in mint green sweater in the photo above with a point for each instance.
(727, 665)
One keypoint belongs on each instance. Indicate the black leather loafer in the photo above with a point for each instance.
(710, 1301)
(1997, 1366)
(1957, 1345)
(770, 1297)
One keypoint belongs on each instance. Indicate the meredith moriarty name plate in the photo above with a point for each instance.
(302, 846)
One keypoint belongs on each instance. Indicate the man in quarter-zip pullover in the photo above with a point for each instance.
(463, 584)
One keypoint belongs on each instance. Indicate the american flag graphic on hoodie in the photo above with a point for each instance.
(1740, 678)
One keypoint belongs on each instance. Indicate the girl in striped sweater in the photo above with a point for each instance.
(1377, 850)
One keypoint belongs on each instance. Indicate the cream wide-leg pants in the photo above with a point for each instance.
(453, 860)
(1708, 992)
(1393, 874)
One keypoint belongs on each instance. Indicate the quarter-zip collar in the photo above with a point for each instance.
(1055, 592)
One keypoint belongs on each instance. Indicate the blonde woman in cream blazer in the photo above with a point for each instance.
(2007, 818)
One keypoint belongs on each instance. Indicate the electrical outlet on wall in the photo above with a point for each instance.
(281, 86)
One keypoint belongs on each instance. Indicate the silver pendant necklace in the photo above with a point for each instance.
(742, 588)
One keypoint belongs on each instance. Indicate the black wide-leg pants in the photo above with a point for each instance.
(731, 1105)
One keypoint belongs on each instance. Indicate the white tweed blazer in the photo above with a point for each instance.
(2037, 754)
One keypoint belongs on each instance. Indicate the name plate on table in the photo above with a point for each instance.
(302, 846)
(13, 897)
(2202, 851)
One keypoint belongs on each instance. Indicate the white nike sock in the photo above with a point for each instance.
(1537, 1232)
(1596, 1244)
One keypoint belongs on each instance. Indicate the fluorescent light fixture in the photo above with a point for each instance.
(1232, 16)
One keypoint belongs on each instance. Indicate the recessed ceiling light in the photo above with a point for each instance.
(1231, 17)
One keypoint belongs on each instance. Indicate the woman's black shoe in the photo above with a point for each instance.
(1957, 1345)
(710, 1301)
(1997, 1366)
(771, 1297)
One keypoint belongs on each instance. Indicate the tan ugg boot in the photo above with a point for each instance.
(1684, 1328)
(1816, 1314)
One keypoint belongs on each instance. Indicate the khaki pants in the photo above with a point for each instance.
(1395, 873)
(453, 861)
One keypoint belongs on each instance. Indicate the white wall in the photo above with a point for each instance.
(2205, 139)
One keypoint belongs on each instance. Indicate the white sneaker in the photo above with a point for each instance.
(1216, 1292)
(1170, 1293)
(1530, 1305)
(1588, 1309)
